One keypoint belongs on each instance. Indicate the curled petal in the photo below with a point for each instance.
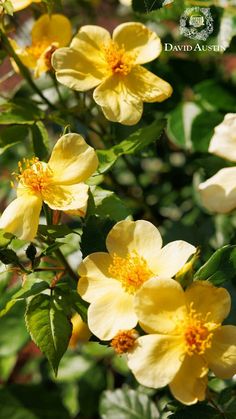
(172, 258)
(223, 142)
(54, 28)
(140, 41)
(218, 194)
(68, 198)
(21, 217)
(72, 160)
(22, 4)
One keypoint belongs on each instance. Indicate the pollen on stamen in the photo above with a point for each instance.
(33, 175)
(124, 341)
(119, 61)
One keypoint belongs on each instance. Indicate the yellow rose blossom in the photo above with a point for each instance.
(109, 281)
(218, 193)
(113, 66)
(48, 34)
(80, 331)
(185, 337)
(22, 4)
(59, 183)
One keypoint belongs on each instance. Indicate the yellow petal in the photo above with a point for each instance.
(67, 197)
(156, 359)
(218, 194)
(29, 60)
(172, 258)
(210, 301)
(75, 70)
(222, 354)
(223, 142)
(72, 160)
(112, 312)
(139, 40)
(22, 4)
(53, 28)
(118, 102)
(134, 236)
(147, 86)
(80, 331)
(189, 384)
(21, 217)
(95, 278)
(160, 306)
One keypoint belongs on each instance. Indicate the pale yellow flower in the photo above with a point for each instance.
(109, 281)
(80, 331)
(22, 4)
(185, 337)
(218, 193)
(113, 66)
(59, 183)
(48, 34)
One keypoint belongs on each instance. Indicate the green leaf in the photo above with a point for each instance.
(5, 238)
(49, 327)
(180, 122)
(220, 267)
(196, 412)
(203, 129)
(213, 95)
(54, 231)
(13, 334)
(136, 142)
(94, 235)
(108, 204)
(40, 140)
(21, 111)
(127, 404)
(11, 136)
(8, 7)
(146, 6)
(8, 256)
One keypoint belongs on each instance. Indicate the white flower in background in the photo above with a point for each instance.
(218, 193)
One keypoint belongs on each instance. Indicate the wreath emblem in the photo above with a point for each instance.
(196, 23)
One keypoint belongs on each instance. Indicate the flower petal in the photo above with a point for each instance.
(134, 236)
(53, 28)
(222, 354)
(156, 359)
(112, 312)
(189, 384)
(72, 160)
(75, 70)
(22, 4)
(160, 306)
(210, 301)
(29, 60)
(68, 198)
(21, 217)
(218, 194)
(172, 258)
(147, 86)
(139, 40)
(223, 142)
(118, 102)
(96, 280)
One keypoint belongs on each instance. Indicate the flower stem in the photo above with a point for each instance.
(64, 262)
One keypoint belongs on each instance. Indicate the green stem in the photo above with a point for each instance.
(64, 262)
(23, 70)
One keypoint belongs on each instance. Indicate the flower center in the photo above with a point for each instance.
(119, 61)
(34, 175)
(198, 333)
(132, 271)
(124, 341)
(37, 48)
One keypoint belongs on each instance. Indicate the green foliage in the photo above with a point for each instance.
(11, 136)
(21, 111)
(49, 327)
(40, 140)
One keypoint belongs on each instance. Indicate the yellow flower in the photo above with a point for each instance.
(80, 331)
(113, 66)
(109, 281)
(59, 183)
(22, 4)
(218, 193)
(48, 34)
(185, 337)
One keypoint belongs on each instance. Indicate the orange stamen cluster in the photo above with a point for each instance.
(124, 341)
(37, 48)
(119, 61)
(34, 175)
(198, 333)
(132, 271)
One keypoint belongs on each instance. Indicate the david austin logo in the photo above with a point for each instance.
(196, 23)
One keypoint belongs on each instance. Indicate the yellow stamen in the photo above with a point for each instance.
(34, 175)
(119, 61)
(198, 333)
(124, 341)
(132, 271)
(37, 48)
